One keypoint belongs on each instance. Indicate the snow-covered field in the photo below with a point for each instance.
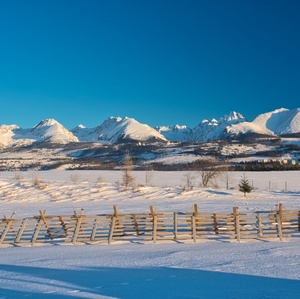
(207, 269)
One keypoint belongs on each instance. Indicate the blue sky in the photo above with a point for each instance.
(161, 62)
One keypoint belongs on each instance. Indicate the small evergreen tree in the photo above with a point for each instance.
(244, 186)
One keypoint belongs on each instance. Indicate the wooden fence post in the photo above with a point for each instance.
(237, 228)
(154, 228)
(280, 211)
(116, 211)
(21, 230)
(42, 213)
(114, 222)
(95, 225)
(154, 219)
(194, 231)
(118, 222)
(175, 226)
(299, 221)
(112, 227)
(216, 223)
(136, 225)
(8, 226)
(259, 225)
(279, 221)
(195, 221)
(78, 225)
(37, 230)
(63, 224)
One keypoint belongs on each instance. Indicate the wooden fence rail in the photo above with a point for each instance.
(153, 226)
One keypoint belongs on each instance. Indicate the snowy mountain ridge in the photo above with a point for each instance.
(279, 122)
(117, 129)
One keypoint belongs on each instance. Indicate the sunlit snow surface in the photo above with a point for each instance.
(207, 269)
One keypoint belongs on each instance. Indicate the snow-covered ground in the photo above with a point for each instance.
(207, 269)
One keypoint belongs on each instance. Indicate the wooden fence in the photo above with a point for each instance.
(153, 226)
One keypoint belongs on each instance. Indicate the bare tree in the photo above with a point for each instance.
(209, 171)
(225, 173)
(128, 178)
(148, 175)
(189, 178)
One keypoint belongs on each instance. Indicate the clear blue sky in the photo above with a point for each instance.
(161, 62)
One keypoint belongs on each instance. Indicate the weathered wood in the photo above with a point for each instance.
(175, 226)
(216, 224)
(112, 228)
(152, 211)
(116, 211)
(78, 225)
(194, 229)
(280, 209)
(136, 225)
(94, 228)
(279, 226)
(196, 215)
(37, 230)
(237, 223)
(63, 224)
(42, 214)
(7, 228)
(21, 230)
(9, 222)
(154, 228)
(259, 225)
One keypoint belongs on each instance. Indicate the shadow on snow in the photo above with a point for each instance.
(34, 282)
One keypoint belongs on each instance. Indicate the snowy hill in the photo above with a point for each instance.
(47, 130)
(117, 129)
(275, 123)
(52, 131)
(175, 133)
(12, 136)
(281, 121)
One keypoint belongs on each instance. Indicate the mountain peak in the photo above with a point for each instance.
(232, 118)
(117, 129)
(48, 122)
(81, 126)
(52, 131)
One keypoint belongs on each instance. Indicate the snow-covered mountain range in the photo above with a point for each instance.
(48, 130)
(113, 130)
(117, 129)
